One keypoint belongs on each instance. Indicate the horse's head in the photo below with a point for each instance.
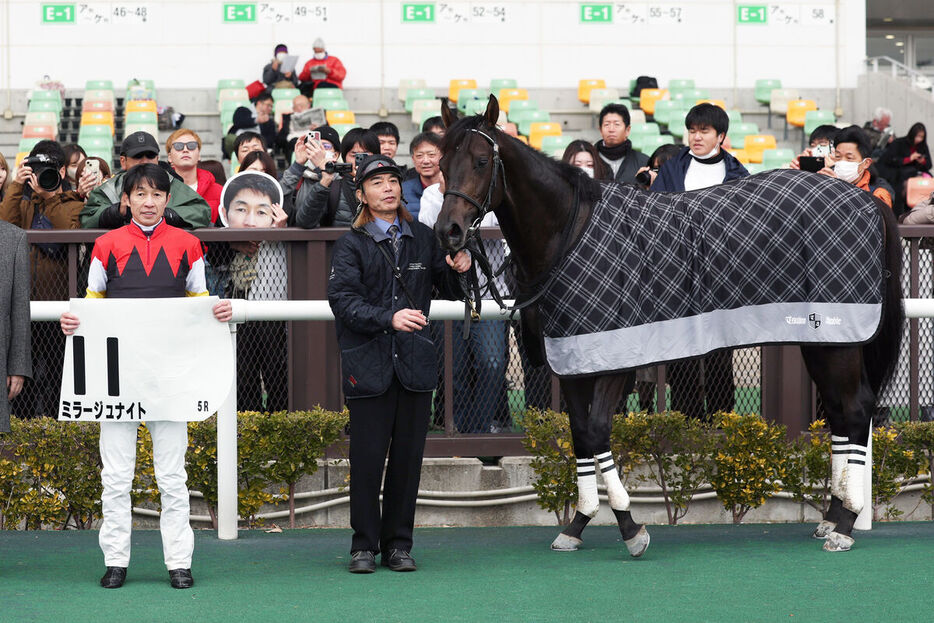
(473, 175)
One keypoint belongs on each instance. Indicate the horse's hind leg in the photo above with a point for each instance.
(842, 381)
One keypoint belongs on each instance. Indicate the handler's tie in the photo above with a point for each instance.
(394, 237)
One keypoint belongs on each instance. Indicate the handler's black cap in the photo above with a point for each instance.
(375, 165)
(139, 143)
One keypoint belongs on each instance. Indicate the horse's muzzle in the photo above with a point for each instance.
(450, 235)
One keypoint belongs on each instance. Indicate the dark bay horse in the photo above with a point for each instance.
(543, 207)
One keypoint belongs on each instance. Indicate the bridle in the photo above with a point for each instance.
(487, 206)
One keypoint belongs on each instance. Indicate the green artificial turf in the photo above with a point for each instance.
(690, 573)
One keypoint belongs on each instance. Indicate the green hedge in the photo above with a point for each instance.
(50, 470)
(744, 458)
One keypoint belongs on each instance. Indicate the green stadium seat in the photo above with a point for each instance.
(691, 95)
(518, 107)
(764, 90)
(149, 128)
(466, 95)
(333, 104)
(45, 106)
(142, 117)
(640, 129)
(814, 118)
(26, 144)
(420, 107)
(776, 158)
(94, 130)
(41, 95)
(99, 84)
(754, 168)
(649, 143)
(676, 123)
(475, 107)
(528, 118)
(344, 128)
(552, 144)
(328, 93)
(496, 84)
(410, 83)
(286, 94)
(417, 94)
(739, 131)
(96, 143)
(664, 109)
(230, 83)
(677, 85)
(735, 116)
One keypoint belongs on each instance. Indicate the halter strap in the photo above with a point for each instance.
(487, 206)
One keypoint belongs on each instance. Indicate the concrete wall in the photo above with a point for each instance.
(908, 105)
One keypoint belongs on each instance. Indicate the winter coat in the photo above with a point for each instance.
(412, 190)
(335, 77)
(210, 191)
(311, 210)
(364, 295)
(15, 332)
(671, 174)
(273, 76)
(895, 164)
(632, 162)
(48, 262)
(185, 202)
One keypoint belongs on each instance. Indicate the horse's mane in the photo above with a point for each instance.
(578, 180)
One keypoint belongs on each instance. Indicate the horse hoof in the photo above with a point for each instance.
(824, 528)
(639, 543)
(837, 542)
(565, 543)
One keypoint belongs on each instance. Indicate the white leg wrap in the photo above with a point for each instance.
(588, 501)
(619, 499)
(849, 461)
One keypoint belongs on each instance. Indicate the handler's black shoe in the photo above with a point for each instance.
(181, 578)
(114, 577)
(398, 560)
(362, 561)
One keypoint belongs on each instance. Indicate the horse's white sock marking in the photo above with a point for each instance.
(588, 502)
(619, 499)
(848, 462)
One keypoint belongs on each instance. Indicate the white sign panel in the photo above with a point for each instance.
(146, 359)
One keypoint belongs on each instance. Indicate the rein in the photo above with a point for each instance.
(475, 246)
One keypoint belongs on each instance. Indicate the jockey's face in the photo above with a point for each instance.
(703, 139)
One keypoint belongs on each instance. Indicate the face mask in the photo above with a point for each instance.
(587, 170)
(72, 172)
(847, 171)
(319, 56)
(281, 56)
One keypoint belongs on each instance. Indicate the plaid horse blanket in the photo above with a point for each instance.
(781, 257)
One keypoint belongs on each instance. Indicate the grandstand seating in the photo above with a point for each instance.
(649, 143)
(420, 107)
(230, 83)
(777, 158)
(410, 83)
(150, 128)
(525, 120)
(665, 109)
(507, 96)
(815, 118)
(99, 84)
(456, 85)
(677, 85)
(754, 168)
(467, 95)
(140, 106)
(739, 131)
(417, 94)
(764, 88)
(97, 106)
(601, 97)
(555, 145)
(918, 188)
(94, 130)
(231, 95)
(40, 130)
(778, 104)
(498, 84)
(340, 116)
(475, 107)
(98, 118)
(648, 97)
(45, 106)
(285, 94)
(690, 95)
(343, 128)
(34, 118)
(96, 143)
(539, 130)
(584, 87)
(741, 155)
(756, 144)
(521, 106)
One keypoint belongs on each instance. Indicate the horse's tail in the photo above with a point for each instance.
(881, 354)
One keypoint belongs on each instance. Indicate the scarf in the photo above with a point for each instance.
(614, 153)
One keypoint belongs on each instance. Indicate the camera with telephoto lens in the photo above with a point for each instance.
(46, 171)
(338, 167)
(645, 178)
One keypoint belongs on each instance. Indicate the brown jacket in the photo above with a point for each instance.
(49, 274)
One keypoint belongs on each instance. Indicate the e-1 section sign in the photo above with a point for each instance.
(146, 359)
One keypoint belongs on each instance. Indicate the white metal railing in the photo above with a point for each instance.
(919, 79)
(245, 311)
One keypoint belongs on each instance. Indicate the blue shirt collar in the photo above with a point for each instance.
(379, 228)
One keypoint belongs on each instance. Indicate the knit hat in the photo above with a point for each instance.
(330, 135)
(281, 48)
(319, 43)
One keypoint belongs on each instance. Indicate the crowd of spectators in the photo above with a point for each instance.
(316, 189)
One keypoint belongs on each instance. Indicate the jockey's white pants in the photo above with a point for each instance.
(118, 455)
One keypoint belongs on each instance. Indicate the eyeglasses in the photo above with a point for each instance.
(149, 155)
(190, 145)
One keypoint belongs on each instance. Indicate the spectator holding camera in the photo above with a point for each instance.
(298, 181)
(850, 161)
(107, 205)
(332, 202)
(34, 200)
(905, 158)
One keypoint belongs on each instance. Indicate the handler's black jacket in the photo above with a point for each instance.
(364, 295)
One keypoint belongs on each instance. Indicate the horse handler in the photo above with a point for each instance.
(146, 259)
(380, 287)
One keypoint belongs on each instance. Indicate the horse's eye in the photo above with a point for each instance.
(482, 162)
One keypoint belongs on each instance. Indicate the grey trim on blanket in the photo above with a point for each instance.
(671, 340)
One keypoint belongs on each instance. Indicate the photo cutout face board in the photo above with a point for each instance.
(247, 200)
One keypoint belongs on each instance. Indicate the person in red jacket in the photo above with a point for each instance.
(183, 149)
(323, 70)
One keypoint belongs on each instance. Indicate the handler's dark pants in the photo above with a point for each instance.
(396, 421)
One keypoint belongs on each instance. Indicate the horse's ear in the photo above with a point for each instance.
(492, 111)
(447, 115)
